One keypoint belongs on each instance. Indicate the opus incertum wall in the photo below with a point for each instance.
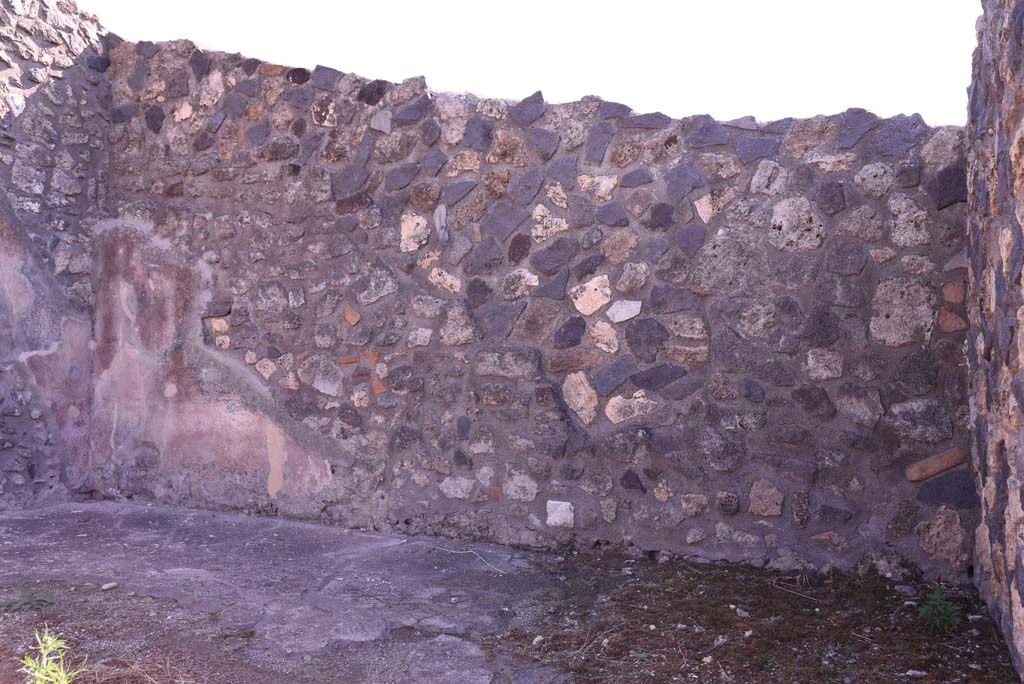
(53, 165)
(370, 304)
(996, 244)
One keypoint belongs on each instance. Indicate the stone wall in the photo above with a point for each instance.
(227, 283)
(996, 243)
(372, 304)
(52, 173)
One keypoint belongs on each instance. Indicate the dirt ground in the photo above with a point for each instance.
(150, 595)
(639, 621)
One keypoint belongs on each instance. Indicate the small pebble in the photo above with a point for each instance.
(537, 640)
(108, 586)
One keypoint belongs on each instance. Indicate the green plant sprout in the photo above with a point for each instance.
(27, 601)
(48, 665)
(938, 611)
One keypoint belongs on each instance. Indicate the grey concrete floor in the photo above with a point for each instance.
(317, 603)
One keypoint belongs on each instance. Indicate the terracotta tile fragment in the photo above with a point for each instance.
(936, 464)
(953, 292)
(950, 322)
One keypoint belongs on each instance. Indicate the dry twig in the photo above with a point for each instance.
(471, 552)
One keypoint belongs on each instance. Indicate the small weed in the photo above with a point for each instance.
(48, 665)
(938, 612)
(27, 601)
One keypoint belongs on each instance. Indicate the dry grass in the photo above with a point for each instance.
(140, 672)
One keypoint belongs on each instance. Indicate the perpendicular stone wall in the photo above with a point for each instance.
(995, 135)
(53, 97)
(372, 304)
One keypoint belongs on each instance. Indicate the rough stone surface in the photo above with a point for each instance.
(623, 310)
(794, 225)
(903, 312)
(590, 296)
(580, 396)
(765, 499)
(994, 297)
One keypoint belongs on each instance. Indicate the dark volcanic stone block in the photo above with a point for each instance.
(557, 254)
(652, 121)
(544, 141)
(502, 220)
(948, 186)
(681, 179)
(478, 134)
(706, 132)
(608, 379)
(895, 136)
(751, 147)
(658, 376)
(527, 111)
(569, 333)
(636, 178)
(855, 123)
(954, 488)
(598, 139)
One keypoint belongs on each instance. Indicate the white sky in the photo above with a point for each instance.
(728, 58)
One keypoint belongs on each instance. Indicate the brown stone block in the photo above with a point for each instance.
(687, 354)
(378, 387)
(351, 358)
(371, 356)
(352, 316)
(933, 465)
(271, 69)
(573, 360)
